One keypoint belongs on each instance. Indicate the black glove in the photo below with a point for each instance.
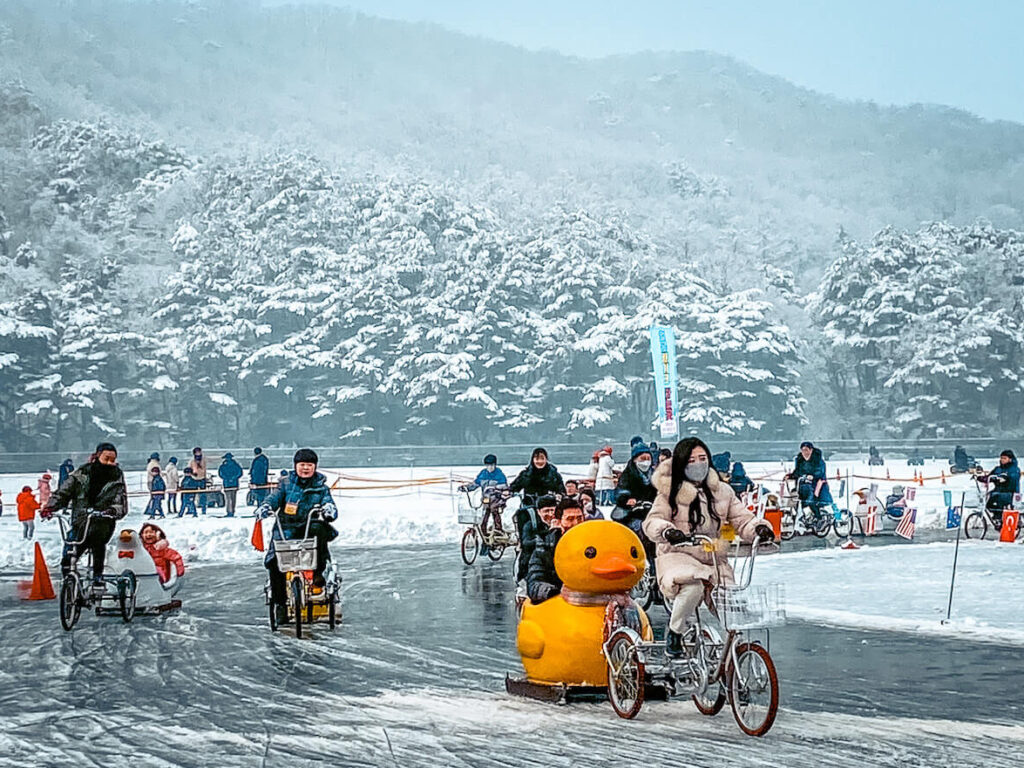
(763, 534)
(675, 537)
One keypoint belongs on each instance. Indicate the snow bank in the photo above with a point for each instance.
(906, 588)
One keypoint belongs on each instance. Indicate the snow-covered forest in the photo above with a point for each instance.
(220, 224)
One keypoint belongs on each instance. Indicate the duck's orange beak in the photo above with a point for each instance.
(613, 567)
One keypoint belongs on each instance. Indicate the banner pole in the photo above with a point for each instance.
(956, 554)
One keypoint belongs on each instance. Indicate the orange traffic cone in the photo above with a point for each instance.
(920, 479)
(42, 587)
(887, 477)
(257, 535)
(943, 477)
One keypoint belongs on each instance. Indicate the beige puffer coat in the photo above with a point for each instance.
(679, 565)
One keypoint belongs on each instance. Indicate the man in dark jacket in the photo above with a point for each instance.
(539, 477)
(1005, 479)
(542, 581)
(810, 473)
(98, 498)
(259, 472)
(230, 472)
(302, 498)
(533, 524)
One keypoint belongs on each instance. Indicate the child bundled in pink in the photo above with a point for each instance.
(44, 489)
(156, 544)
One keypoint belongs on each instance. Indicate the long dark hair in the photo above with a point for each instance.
(680, 458)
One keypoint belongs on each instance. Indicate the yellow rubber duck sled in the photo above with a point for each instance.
(560, 639)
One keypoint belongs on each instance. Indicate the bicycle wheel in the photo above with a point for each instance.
(70, 608)
(127, 587)
(470, 546)
(495, 551)
(713, 699)
(975, 526)
(821, 524)
(788, 527)
(754, 689)
(297, 601)
(625, 675)
(843, 524)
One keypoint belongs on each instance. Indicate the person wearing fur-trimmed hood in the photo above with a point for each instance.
(692, 499)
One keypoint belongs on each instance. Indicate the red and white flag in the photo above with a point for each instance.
(871, 524)
(908, 523)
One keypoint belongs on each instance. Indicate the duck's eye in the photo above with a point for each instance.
(590, 552)
(633, 553)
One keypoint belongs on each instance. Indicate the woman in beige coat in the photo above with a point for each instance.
(692, 500)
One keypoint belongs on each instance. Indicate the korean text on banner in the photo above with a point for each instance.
(663, 358)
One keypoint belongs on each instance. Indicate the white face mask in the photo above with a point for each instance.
(643, 466)
(697, 471)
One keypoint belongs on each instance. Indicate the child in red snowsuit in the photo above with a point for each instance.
(156, 544)
(27, 508)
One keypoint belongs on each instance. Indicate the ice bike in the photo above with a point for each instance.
(977, 523)
(798, 517)
(307, 603)
(494, 540)
(719, 663)
(77, 593)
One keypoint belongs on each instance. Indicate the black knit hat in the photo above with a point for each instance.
(547, 500)
(306, 455)
(105, 447)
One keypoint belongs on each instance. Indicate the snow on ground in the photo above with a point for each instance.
(906, 588)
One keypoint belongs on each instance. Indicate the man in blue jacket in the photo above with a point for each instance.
(230, 471)
(302, 497)
(1005, 480)
(259, 472)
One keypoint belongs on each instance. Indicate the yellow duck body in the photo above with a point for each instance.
(560, 640)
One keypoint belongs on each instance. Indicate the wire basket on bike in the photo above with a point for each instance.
(296, 554)
(752, 607)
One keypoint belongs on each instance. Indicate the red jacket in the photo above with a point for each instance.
(27, 506)
(163, 556)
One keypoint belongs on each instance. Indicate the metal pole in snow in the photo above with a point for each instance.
(956, 554)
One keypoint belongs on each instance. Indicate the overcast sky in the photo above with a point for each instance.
(964, 54)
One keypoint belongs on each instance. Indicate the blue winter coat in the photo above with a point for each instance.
(1012, 474)
(259, 470)
(230, 471)
(158, 487)
(306, 495)
(815, 467)
(65, 469)
(485, 478)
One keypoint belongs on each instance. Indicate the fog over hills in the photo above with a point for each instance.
(687, 162)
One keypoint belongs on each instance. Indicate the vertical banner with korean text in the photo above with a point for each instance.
(663, 357)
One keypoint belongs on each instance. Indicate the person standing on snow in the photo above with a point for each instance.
(98, 498)
(66, 468)
(154, 461)
(189, 486)
(44, 488)
(198, 467)
(230, 472)
(157, 486)
(27, 508)
(605, 482)
(171, 481)
(259, 473)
